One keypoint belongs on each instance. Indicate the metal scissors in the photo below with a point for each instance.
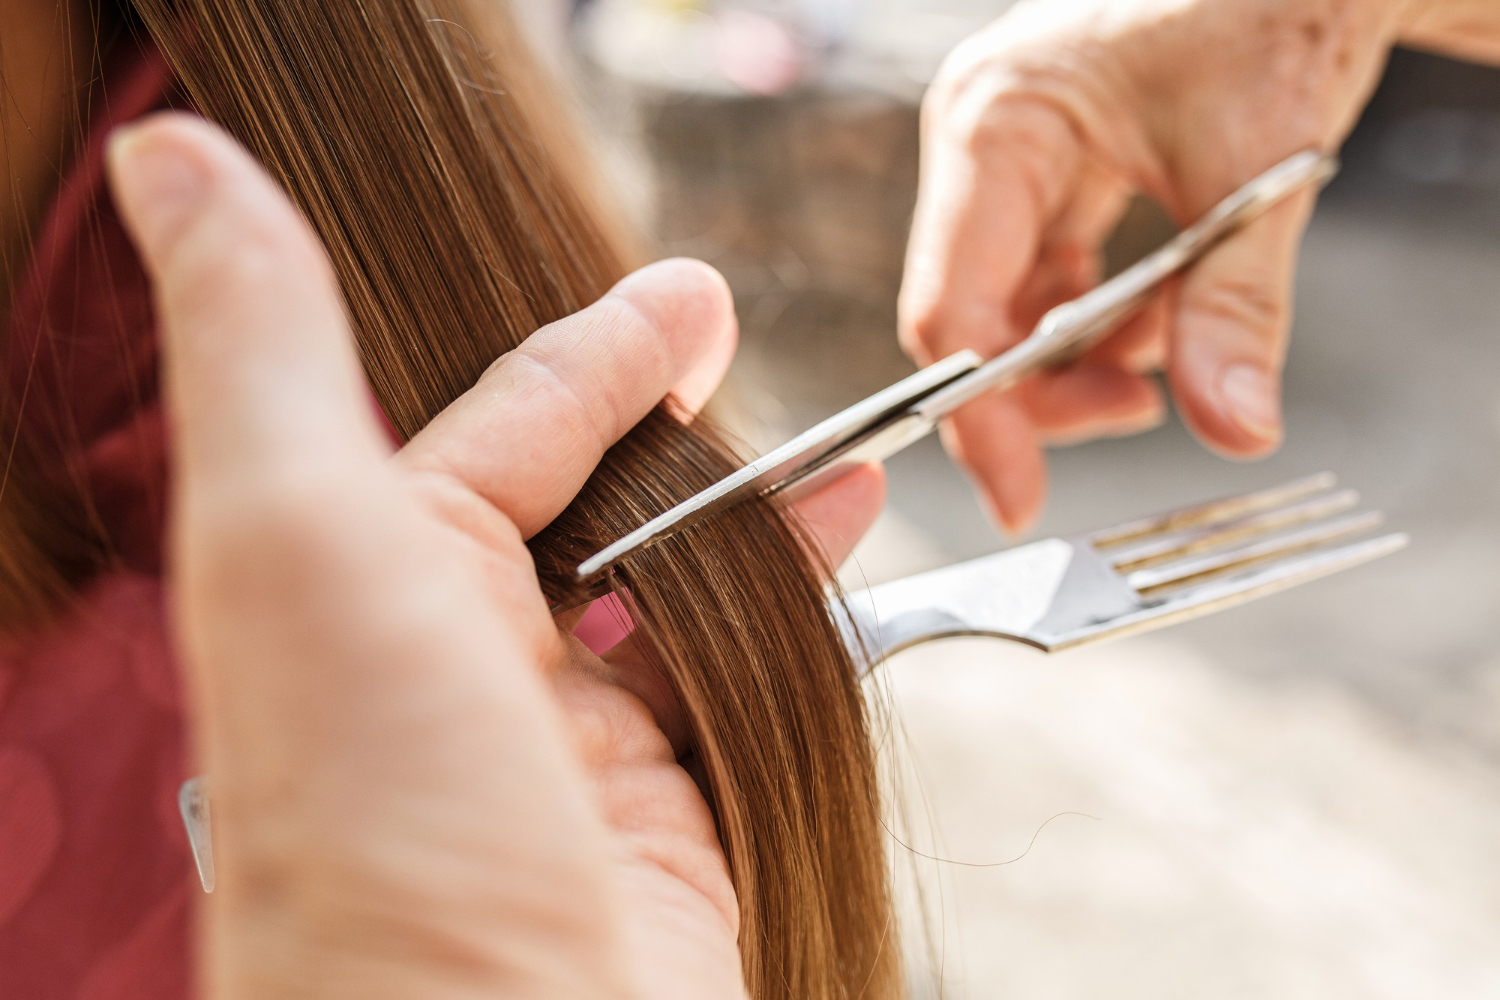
(908, 411)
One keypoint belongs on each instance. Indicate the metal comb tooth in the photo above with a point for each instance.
(1216, 535)
(1144, 574)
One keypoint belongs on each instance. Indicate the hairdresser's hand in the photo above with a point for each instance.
(390, 719)
(1035, 135)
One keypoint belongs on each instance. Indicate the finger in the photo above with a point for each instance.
(1101, 396)
(703, 379)
(262, 374)
(1087, 401)
(1233, 317)
(1140, 344)
(633, 667)
(533, 429)
(1060, 273)
(1070, 259)
(993, 439)
(834, 520)
(838, 516)
(980, 216)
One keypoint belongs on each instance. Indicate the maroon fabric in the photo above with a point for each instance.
(96, 884)
(96, 880)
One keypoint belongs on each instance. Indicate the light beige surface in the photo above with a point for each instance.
(1249, 840)
(1167, 827)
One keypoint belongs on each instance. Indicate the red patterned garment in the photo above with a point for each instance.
(96, 883)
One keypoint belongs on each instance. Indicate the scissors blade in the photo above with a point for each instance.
(821, 444)
(903, 414)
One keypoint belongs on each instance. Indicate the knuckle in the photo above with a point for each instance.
(990, 87)
(1253, 306)
(584, 419)
(496, 366)
(623, 320)
(967, 63)
(456, 504)
(1013, 124)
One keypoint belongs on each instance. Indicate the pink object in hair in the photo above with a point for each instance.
(604, 625)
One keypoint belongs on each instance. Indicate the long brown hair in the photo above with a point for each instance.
(427, 150)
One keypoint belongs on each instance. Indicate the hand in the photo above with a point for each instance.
(682, 917)
(1035, 136)
(421, 785)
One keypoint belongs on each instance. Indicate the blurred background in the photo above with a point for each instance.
(1293, 799)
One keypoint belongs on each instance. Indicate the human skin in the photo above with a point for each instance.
(422, 784)
(1036, 134)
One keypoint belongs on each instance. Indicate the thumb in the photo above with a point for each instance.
(261, 373)
(1229, 346)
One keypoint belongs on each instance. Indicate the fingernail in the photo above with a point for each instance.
(1249, 396)
(157, 181)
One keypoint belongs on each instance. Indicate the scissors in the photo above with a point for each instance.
(901, 415)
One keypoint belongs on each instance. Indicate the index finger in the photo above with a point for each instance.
(531, 432)
(984, 202)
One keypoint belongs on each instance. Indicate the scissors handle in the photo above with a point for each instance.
(903, 414)
(1073, 327)
(1068, 330)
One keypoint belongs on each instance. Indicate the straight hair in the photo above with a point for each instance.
(437, 164)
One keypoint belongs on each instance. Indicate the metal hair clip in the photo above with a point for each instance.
(905, 413)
